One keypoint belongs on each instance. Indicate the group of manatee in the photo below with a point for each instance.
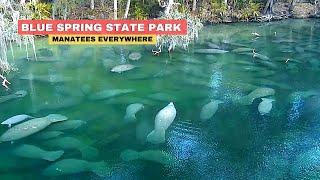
(48, 129)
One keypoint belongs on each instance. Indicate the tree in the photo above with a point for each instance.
(92, 4)
(194, 5)
(115, 9)
(127, 10)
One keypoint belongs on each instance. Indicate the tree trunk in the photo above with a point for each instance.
(115, 9)
(170, 3)
(92, 4)
(267, 6)
(127, 10)
(194, 5)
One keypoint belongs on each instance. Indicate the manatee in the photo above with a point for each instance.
(16, 119)
(212, 45)
(53, 78)
(33, 152)
(163, 120)
(135, 56)
(123, 68)
(69, 143)
(209, 109)
(18, 94)
(66, 125)
(30, 127)
(257, 93)
(74, 166)
(47, 134)
(131, 111)
(240, 50)
(303, 94)
(109, 93)
(210, 51)
(157, 156)
(265, 106)
(258, 56)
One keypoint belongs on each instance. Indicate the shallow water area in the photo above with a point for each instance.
(237, 142)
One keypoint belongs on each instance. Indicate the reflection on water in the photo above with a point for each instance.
(237, 142)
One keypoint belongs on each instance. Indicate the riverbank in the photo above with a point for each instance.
(281, 11)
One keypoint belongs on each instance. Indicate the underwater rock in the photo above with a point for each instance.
(131, 111)
(73, 166)
(16, 119)
(123, 68)
(163, 120)
(157, 156)
(209, 109)
(265, 106)
(30, 127)
(33, 152)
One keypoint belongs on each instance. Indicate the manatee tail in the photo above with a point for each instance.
(99, 168)
(53, 155)
(89, 152)
(130, 118)
(157, 136)
(129, 155)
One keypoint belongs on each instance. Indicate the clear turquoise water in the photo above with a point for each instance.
(236, 143)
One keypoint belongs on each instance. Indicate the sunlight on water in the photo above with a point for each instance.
(264, 123)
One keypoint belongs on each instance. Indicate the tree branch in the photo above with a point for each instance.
(4, 82)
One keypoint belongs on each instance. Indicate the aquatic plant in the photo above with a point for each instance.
(183, 41)
(10, 13)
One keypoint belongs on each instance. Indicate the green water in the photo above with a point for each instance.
(236, 143)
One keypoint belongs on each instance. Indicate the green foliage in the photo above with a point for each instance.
(139, 11)
(143, 9)
(251, 11)
(218, 7)
(40, 10)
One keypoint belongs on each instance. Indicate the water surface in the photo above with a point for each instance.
(236, 143)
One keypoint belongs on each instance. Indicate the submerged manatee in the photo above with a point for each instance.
(16, 119)
(257, 93)
(123, 68)
(163, 120)
(33, 152)
(265, 106)
(73, 166)
(210, 51)
(68, 143)
(131, 111)
(18, 94)
(30, 127)
(209, 109)
(109, 93)
(157, 156)
(66, 125)
(48, 134)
